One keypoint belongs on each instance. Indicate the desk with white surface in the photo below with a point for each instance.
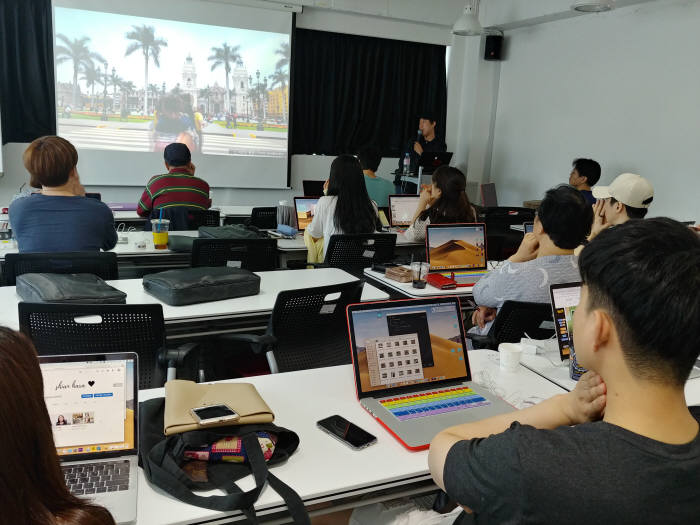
(215, 317)
(324, 472)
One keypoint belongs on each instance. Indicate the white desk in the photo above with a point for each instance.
(323, 470)
(549, 366)
(215, 316)
(408, 290)
(234, 211)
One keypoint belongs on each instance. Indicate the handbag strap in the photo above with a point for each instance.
(167, 474)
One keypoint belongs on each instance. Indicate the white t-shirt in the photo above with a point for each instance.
(323, 224)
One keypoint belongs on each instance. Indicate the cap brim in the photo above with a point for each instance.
(601, 192)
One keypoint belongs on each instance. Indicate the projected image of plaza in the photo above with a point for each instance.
(137, 84)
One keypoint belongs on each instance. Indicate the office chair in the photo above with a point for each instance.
(184, 218)
(514, 320)
(100, 328)
(264, 218)
(256, 255)
(102, 264)
(199, 218)
(307, 329)
(355, 252)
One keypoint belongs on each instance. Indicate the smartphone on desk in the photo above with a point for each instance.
(349, 433)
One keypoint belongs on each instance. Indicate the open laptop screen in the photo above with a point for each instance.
(305, 210)
(456, 246)
(401, 343)
(565, 299)
(402, 208)
(90, 403)
(528, 227)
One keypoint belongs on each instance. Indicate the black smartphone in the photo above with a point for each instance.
(349, 433)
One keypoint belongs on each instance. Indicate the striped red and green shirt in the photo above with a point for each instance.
(176, 188)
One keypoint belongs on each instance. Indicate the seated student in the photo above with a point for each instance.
(443, 202)
(628, 197)
(32, 490)
(59, 218)
(545, 256)
(622, 447)
(346, 207)
(378, 188)
(584, 175)
(177, 188)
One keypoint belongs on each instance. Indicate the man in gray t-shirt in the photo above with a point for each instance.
(622, 447)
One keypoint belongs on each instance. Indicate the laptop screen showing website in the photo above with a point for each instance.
(565, 299)
(91, 405)
(402, 208)
(397, 345)
(305, 209)
(456, 247)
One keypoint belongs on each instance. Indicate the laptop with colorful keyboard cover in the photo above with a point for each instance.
(412, 370)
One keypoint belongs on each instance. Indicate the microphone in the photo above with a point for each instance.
(419, 135)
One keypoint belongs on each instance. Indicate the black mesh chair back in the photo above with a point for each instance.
(517, 319)
(264, 218)
(102, 264)
(353, 253)
(184, 218)
(311, 328)
(256, 255)
(99, 328)
(197, 218)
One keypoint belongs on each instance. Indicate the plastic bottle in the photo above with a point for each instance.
(406, 163)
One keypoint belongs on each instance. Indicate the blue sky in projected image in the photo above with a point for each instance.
(369, 324)
(107, 37)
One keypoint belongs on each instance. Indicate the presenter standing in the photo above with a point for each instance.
(426, 140)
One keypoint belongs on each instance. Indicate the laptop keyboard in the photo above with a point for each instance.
(432, 403)
(93, 478)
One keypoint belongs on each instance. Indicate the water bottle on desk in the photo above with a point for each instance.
(406, 163)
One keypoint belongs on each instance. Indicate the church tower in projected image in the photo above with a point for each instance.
(189, 79)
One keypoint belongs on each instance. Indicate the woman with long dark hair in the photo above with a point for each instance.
(346, 208)
(32, 490)
(445, 201)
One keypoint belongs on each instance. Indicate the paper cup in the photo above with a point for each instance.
(509, 355)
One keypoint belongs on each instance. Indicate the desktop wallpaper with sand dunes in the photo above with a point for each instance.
(448, 354)
(459, 247)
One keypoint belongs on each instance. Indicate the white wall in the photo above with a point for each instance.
(620, 87)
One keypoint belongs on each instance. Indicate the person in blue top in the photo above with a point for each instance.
(584, 175)
(378, 188)
(59, 218)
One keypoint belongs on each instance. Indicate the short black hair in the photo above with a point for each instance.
(370, 158)
(565, 216)
(646, 276)
(427, 114)
(632, 213)
(588, 168)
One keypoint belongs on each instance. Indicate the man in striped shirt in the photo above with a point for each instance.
(178, 187)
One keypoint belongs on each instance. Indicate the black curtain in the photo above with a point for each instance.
(355, 91)
(27, 100)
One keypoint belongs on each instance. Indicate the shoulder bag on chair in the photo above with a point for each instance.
(166, 466)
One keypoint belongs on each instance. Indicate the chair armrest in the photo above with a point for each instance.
(482, 341)
(174, 357)
(259, 343)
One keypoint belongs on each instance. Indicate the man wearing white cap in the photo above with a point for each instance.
(628, 197)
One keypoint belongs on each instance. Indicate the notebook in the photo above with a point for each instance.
(305, 209)
(92, 402)
(457, 252)
(401, 209)
(412, 370)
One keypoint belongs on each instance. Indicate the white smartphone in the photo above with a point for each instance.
(209, 415)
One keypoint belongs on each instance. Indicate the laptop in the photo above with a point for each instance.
(432, 160)
(305, 209)
(457, 252)
(565, 299)
(313, 187)
(412, 370)
(92, 400)
(528, 227)
(401, 210)
(488, 195)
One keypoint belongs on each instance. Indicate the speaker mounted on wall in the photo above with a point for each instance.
(493, 47)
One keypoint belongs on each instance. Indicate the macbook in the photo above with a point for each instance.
(305, 209)
(92, 402)
(401, 209)
(457, 251)
(412, 370)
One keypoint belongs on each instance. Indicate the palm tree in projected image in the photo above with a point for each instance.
(285, 53)
(144, 38)
(127, 87)
(153, 90)
(205, 94)
(279, 79)
(92, 75)
(225, 56)
(76, 51)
